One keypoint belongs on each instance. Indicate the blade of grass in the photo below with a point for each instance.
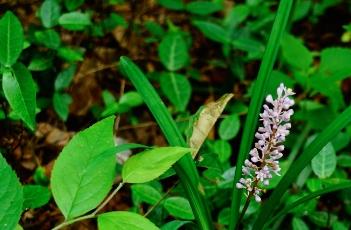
(313, 149)
(259, 92)
(329, 189)
(185, 167)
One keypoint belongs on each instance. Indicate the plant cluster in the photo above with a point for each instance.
(65, 68)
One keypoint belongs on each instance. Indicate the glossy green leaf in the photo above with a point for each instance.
(257, 98)
(344, 160)
(79, 181)
(237, 15)
(61, 102)
(299, 224)
(313, 149)
(49, 13)
(49, 38)
(19, 89)
(223, 149)
(11, 39)
(295, 53)
(71, 54)
(173, 51)
(150, 164)
(35, 196)
(40, 63)
(11, 197)
(123, 220)
(172, 4)
(64, 78)
(177, 88)
(203, 7)
(229, 127)
(212, 31)
(146, 193)
(324, 163)
(73, 4)
(131, 98)
(178, 207)
(185, 167)
(74, 20)
(335, 64)
(174, 225)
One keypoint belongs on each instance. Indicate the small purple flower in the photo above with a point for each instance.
(268, 150)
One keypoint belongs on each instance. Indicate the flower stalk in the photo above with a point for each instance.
(264, 157)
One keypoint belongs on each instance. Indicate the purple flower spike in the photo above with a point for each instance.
(268, 148)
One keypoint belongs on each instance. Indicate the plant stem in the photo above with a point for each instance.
(160, 200)
(108, 198)
(66, 223)
(248, 199)
(92, 215)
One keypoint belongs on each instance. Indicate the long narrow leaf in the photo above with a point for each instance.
(329, 189)
(313, 149)
(259, 93)
(185, 167)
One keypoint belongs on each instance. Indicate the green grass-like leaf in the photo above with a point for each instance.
(313, 149)
(259, 93)
(185, 167)
(290, 207)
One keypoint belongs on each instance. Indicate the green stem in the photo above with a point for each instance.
(92, 215)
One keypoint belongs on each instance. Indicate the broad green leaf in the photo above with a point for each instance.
(151, 164)
(299, 224)
(324, 163)
(254, 47)
(237, 15)
(73, 4)
(11, 39)
(80, 181)
(213, 31)
(131, 98)
(335, 64)
(339, 226)
(35, 196)
(177, 88)
(61, 102)
(344, 160)
(172, 4)
(174, 225)
(64, 78)
(322, 218)
(19, 89)
(123, 220)
(295, 53)
(223, 149)
(229, 127)
(49, 38)
(146, 193)
(178, 207)
(11, 197)
(74, 20)
(173, 51)
(203, 7)
(49, 13)
(40, 63)
(71, 54)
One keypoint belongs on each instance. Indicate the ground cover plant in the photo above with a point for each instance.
(175, 114)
